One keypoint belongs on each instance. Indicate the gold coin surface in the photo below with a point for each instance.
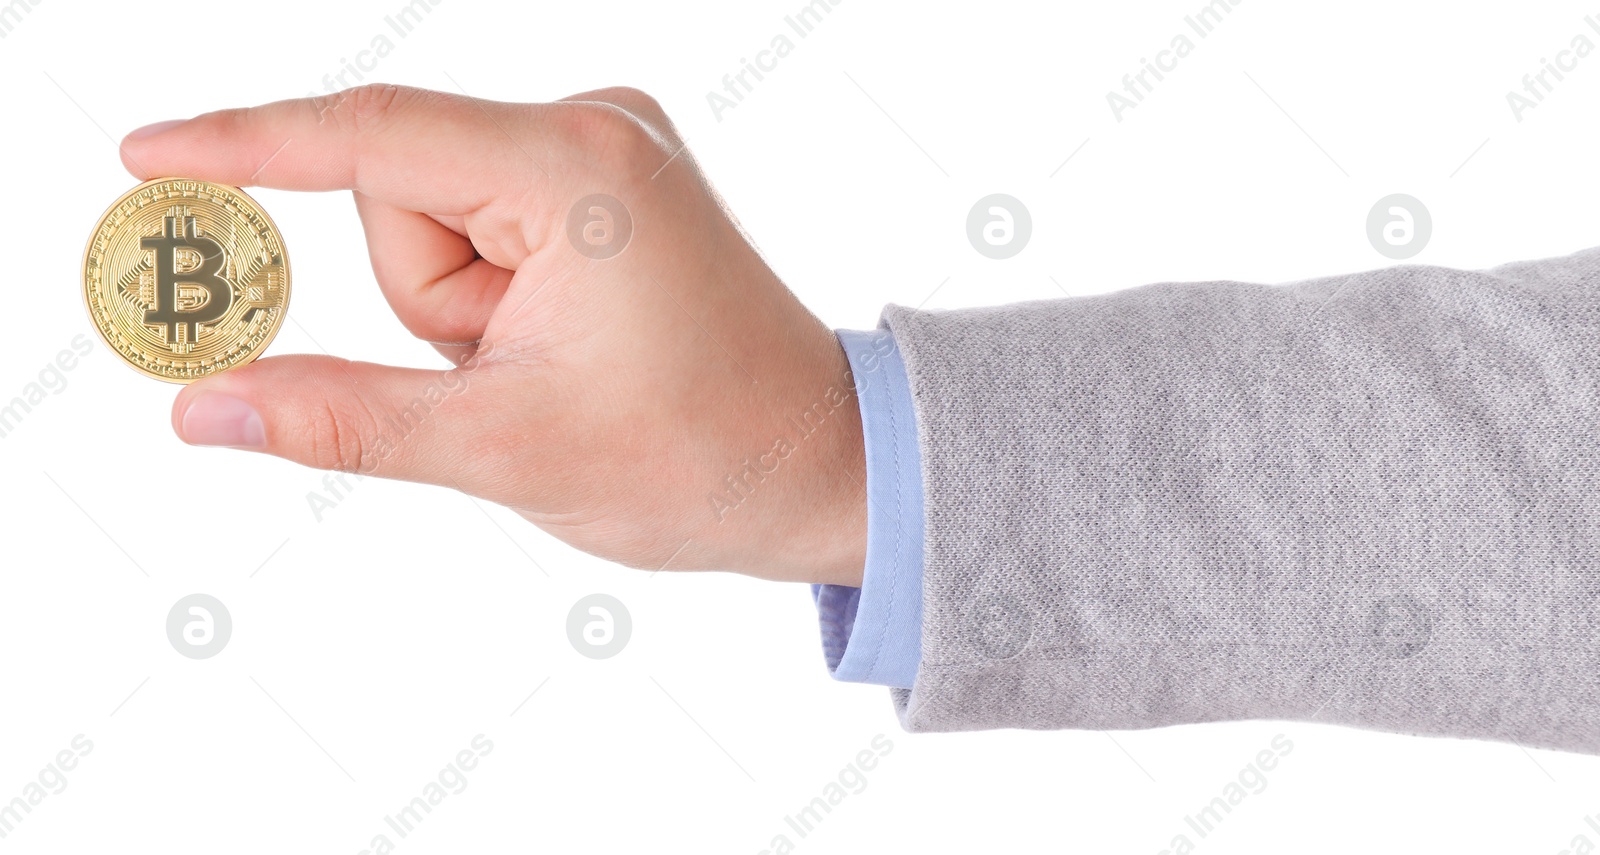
(186, 278)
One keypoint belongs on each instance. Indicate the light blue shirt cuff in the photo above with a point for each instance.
(873, 634)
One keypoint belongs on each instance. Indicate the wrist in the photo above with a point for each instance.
(796, 508)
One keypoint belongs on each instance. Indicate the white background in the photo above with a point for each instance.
(411, 619)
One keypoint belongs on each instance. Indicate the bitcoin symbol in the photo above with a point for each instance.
(152, 287)
(174, 307)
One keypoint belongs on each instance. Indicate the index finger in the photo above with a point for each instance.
(424, 151)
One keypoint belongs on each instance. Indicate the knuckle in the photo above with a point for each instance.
(610, 134)
(361, 107)
(635, 101)
(342, 437)
(323, 106)
(375, 101)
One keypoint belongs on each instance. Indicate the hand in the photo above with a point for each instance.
(643, 407)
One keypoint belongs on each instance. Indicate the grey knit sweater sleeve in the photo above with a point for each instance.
(1370, 499)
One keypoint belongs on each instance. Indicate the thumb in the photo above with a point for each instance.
(330, 413)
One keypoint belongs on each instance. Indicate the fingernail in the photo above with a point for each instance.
(217, 419)
(152, 130)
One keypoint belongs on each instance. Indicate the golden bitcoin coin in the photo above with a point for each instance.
(186, 278)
